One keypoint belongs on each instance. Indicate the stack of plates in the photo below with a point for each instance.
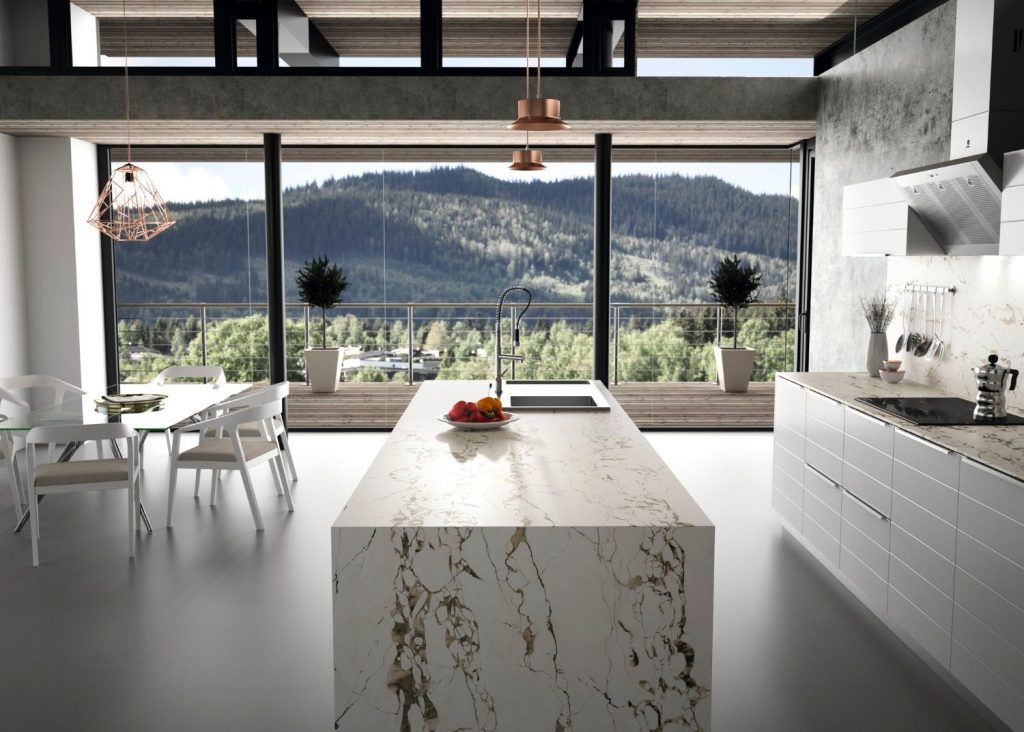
(129, 403)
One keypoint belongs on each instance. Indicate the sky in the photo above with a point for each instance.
(187, 182)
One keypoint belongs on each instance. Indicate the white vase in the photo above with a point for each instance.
(322, 368)
(734, 367)
(878, 351)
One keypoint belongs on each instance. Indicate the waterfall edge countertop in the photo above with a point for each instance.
(546, 469)
(1000, 447)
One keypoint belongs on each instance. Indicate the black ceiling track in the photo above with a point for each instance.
(873, 30)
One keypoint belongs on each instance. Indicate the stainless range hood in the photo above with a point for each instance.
(959, 201)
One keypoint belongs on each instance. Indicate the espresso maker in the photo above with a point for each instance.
(991, 400)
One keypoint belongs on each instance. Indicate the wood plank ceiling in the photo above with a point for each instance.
(382, 28)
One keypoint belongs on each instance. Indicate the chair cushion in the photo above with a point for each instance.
(77, 472)
(220, 450)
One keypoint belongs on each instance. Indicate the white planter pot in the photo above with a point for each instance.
(322, 368)
(734, 367)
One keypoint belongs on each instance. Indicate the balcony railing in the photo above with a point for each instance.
(655, 341)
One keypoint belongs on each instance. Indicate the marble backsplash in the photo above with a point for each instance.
(986, 315)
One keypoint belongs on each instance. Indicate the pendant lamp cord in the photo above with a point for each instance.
(127, 106)
(527, 49)
(538, 49)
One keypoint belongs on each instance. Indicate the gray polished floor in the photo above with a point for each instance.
(214, 627)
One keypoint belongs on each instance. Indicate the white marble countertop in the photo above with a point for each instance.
(999, 447)
(578, 469)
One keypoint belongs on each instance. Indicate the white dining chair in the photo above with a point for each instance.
(12, 407)
(209, 374)
(221, 447)
(54, 389)
(82, 475)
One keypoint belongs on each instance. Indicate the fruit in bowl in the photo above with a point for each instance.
(487, 409)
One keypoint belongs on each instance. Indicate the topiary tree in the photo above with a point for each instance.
(735, 286)
(320, 285)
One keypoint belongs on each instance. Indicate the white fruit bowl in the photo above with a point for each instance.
(892, 377)
(478, 426)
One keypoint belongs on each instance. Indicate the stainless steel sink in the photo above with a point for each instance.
(551, 402)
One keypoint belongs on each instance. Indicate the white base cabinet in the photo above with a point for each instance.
(928, 539)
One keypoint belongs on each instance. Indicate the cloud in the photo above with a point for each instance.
(181, 183)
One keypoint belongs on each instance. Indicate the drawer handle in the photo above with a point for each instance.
(991, 471)
(831, 402)
(926, 443)
(824, 477)
(874, 512)
(876, 420)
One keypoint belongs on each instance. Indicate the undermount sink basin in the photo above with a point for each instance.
(552, 402)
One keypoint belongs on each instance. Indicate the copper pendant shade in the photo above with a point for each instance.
(539, 115)
(527, 160)
(130, 208)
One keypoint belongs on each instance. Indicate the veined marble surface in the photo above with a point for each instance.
(550, 576)
(999, 447)
(546, 469)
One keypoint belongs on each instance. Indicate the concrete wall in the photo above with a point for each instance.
(62, 260)
(886, 109)
(13, 326)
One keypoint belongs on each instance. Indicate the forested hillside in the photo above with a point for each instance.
(454, 234)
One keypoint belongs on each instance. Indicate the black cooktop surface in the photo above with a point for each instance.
(934, 411)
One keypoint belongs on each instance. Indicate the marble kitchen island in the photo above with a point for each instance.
(549, 576)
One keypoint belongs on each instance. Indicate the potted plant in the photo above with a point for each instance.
(734, 285)
(320, 285)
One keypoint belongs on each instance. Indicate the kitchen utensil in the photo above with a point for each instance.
(906, 324)
(892, 377)
(914, 337)
(937, 347)
(479, 426)
(926, 341)
(992, 387)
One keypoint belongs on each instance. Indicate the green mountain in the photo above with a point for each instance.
(454, 234)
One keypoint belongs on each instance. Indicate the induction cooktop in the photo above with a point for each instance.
(935, 411)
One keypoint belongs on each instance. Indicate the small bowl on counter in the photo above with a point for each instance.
(892, 377)
(893, 365)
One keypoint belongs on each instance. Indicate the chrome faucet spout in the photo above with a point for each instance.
(498, 355)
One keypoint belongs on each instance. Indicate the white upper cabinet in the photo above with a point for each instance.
(878, 221)
(1011, 227)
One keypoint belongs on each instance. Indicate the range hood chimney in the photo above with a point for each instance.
(959, 201)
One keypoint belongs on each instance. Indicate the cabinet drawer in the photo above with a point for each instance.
(938, 606)
(919, 626)
(1005, 660)
(869, 430)
(925, 561)
(997, 491)
(788, 510)
(991, 609)
(933, 460)
(924, 526)
(827, 411)
(992, 691)
(787, 391)
(994, 570)
(825, 490)
(821, 539)
(824, 461)
(869, 522)
(872, 587)
(872, 556)
(928, 493)
(991, 528)
(866, 488)
(786, 415)
(788, 486)
(792, 441)
(868, 460)
(824, 435)
(790, 463)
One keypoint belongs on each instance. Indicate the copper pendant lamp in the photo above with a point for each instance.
(527, 159)
(537, 114)
(130, 208)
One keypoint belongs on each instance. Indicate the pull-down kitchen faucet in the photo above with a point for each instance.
(498, 355)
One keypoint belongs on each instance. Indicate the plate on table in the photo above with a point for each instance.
(130, 403)
(478, 426)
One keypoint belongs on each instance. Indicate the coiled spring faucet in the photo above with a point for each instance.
(498, 355)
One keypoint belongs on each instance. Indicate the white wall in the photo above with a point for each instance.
(85, 38)
(13, 328)
(24, 33)
(62, 260)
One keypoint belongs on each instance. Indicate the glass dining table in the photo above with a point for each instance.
(184, 403)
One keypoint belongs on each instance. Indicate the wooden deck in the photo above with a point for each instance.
(651, 405)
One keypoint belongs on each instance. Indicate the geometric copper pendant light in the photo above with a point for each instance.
(130, 208)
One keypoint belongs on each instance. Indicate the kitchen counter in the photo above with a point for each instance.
(999, 447)
(553, 574)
